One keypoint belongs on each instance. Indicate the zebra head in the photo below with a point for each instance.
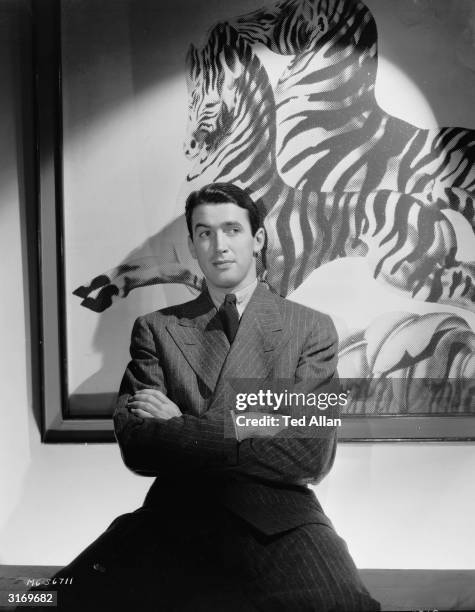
(284, 27)
(341, 46)
(211, 76)
(204, 99)
(291, 26)
(231, 107)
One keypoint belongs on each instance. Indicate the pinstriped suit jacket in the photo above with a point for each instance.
(184, 352)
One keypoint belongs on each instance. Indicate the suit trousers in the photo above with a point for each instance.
(211, 560)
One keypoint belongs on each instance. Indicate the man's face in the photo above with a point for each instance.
(224, 245)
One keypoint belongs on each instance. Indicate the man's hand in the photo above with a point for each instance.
(153, 404)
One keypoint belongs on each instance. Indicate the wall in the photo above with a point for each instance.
(397, 505)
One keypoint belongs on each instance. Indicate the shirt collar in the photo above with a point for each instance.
(242, 296)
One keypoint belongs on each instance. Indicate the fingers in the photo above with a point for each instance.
(142, 413)
(152, 394)
(137, 408)
(155, 403)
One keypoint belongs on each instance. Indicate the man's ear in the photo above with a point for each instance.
(191, 246)
(259, 240)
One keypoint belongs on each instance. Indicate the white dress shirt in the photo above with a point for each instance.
(242, 296)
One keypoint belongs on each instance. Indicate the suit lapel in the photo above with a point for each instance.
(199, 335)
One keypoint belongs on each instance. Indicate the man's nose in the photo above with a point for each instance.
(220, 243)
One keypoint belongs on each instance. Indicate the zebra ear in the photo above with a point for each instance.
(233, 66)
(322, 24)
(232, 71)
(191, 63)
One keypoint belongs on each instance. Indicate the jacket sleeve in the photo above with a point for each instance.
(153, 446)
(186, 444)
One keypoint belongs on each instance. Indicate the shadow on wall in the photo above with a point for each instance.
(16, 32)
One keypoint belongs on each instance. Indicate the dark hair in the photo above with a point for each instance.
(223, 193)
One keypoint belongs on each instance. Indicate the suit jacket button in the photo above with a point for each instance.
(99, 568)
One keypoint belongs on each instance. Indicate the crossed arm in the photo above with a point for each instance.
(158, 437)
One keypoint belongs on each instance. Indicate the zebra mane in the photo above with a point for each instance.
(226, 69)
(353, 12)
(220, 51)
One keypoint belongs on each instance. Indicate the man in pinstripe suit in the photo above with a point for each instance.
(229, 522)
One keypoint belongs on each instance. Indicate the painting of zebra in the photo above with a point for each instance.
(334, 175)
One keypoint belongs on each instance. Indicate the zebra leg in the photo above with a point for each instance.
(121, 280)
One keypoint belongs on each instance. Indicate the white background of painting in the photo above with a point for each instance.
(397, 504)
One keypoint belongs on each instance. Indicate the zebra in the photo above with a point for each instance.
(233, 125)
(332, 135)
(232, 137)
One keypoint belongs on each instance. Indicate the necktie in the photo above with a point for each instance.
(229, 316)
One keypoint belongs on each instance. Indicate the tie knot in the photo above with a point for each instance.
(230, 298)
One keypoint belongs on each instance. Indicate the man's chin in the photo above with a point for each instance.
(224, 282)
(222, 285)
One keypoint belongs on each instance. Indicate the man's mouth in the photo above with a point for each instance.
(223, 263)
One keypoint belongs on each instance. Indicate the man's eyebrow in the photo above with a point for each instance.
(225, 224)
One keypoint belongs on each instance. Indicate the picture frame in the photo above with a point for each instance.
(59, 422)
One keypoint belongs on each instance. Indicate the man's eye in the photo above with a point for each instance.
(233, 230)
(204, 234)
